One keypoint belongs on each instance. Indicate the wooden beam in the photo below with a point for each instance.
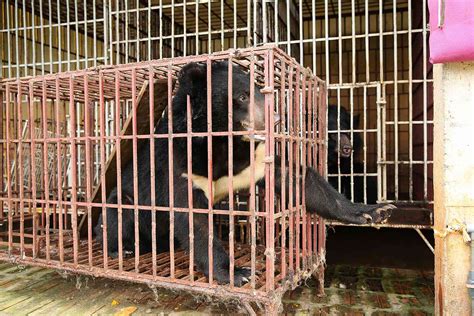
(126, 145)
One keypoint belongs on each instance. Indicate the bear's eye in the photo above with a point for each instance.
(243, 97)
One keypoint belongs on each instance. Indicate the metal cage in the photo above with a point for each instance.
(372, 54)
(49, 213)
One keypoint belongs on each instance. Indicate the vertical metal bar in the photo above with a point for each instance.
(86, 38)
(252, 210)
(313, 43)
(137, 8)
(264, 22)
(196, 8)
(45, 164)
(283, 131)
(161, 29)
(9, 174)
(290, 171)
(300, 20)
(58, 16)
(190, 186)
(151, 85)
(2, 151)
(100, 133)
(365, 142)
(234, 10)
(25, 43)
(303, 135)
(72, 104)
(209, 23)
(68, 35)
(209, 169)
(381, 55)
(170, 170)
(33, 38)
(9, 59)
(269, 172)
(276, 38)
(149, 32)
(338, 89)
(309, 139)
(60, 170)
(326, 41)
(135, 169)
(117, 28)
(249, 23)
(367, 45)
(425, 107)
(230, 173)
(323, 136)
(17, 40)
(288, 27)
(410, 102)
(118, 151)
(379, 144)
(127, 60)
(89, 168)
(172, 29)
(20, 166)
(353, 50)
(395, 92)
(339, 42)
(77, 35)
(351, 125)
(94, 32)
(42, 45)
(222, 23)
(295, 135)
(33, 163)
(185, 30)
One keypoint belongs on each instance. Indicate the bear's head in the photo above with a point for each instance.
(345, 145)
(193, 82)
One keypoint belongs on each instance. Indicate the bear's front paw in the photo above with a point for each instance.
(377, 214)
(241, 276)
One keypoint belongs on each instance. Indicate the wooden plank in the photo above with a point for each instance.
(160, 93)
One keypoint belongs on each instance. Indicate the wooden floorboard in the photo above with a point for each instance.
(350, 291)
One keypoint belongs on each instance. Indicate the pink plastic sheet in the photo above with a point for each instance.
(451, 30)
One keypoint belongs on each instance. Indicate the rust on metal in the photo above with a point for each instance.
(99, 119)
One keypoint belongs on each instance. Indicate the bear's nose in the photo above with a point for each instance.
(346, 149)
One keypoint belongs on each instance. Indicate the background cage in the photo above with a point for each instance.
(372, 54)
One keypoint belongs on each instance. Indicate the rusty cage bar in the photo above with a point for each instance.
(55, 124)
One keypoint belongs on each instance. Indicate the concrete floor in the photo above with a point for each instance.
(349, 291)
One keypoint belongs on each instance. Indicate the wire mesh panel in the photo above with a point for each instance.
(185, 159)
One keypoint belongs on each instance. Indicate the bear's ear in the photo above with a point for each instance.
(192, 78)
(355, 121)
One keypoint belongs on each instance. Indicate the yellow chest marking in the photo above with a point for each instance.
(240, 181)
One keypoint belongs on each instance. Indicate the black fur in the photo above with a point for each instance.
(321, 197)
(345, 162)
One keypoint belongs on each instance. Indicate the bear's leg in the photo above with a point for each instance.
(201, 239)
(324, 200)
(128, 237)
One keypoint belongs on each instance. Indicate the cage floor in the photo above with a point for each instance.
(93, 256)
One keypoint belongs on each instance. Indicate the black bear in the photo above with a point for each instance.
(343, 145)
(320, 196)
